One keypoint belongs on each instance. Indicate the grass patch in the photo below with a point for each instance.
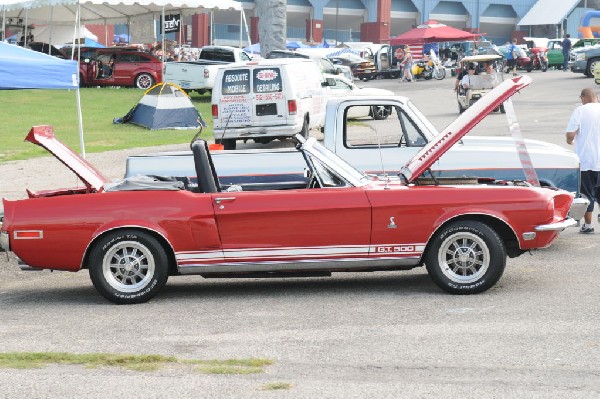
(31, 360)
(22, 109)
(275, 386)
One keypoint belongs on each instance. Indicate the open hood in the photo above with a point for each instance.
(430, 153)
(44, 137)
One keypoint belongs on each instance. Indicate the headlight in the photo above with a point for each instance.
(580, 57)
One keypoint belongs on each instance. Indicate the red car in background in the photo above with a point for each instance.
(119, 66)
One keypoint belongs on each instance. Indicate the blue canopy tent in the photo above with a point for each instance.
(21, 68)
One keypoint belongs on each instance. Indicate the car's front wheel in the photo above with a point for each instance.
(128, 266)
(591, 67)
(466, 257)
(144, 81)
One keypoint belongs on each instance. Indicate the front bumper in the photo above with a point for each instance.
(578, 66)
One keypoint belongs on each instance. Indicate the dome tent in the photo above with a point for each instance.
(164, 106)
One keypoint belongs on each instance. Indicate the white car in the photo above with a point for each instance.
(344, 87)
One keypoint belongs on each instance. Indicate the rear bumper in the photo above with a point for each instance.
(576, 212)
(257, 131)
(558, 226)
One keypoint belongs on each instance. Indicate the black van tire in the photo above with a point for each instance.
(228, 144)
(305, 131)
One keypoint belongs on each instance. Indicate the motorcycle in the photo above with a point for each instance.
(539, 59)
(429, 67)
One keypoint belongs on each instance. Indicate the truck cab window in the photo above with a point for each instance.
(380, 125)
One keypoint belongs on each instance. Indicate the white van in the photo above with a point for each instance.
(267, 100)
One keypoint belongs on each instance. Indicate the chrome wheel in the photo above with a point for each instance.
(144, 81)
(128, 266)
(464, 257)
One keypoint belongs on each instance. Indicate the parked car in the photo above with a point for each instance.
(555, 54)
(133, 235)
(361, 68)
(325, 65)
(585, 60)
(131, 68)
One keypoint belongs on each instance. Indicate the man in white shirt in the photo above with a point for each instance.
(583, 130)
(468, 81)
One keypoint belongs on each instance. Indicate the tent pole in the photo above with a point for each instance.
(4, 23)
(247, 30)
(51, 25)
(77, 93)
(26, 23)
(162, 36)
(241, 30)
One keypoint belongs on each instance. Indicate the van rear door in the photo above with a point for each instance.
(270, 106)
(235, 101)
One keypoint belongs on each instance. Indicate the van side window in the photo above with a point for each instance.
(236, 81)
(267, 80)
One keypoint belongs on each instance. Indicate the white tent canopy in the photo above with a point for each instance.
(109, 11)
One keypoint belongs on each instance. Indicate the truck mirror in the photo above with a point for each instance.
(328, 82)
(338, 71)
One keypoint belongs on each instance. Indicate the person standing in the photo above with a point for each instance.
(407, 61)
(511, 56)
(583, 130)
(566, 51)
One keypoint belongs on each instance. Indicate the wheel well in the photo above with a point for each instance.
(511, 243)
(160, 238)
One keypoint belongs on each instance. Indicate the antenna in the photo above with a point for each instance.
(226, 126)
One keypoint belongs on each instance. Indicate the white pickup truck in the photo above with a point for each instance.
(378, 146)
(200, 75)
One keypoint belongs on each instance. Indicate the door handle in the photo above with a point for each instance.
(219, 200)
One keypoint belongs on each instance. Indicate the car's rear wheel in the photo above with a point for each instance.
(466, 257)
(128, 266)
(144, 81)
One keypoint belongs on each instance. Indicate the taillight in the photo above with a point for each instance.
(215, 111)
(206, 73)
(292, 107)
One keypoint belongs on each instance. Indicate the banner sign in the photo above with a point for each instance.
(171, 23)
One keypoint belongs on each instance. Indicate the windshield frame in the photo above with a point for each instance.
(311, 148)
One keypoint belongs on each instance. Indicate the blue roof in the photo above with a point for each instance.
(22, 68)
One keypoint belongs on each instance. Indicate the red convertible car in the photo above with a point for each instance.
(134, 234)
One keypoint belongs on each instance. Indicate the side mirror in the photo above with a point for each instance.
(328, 82)
(338, 71)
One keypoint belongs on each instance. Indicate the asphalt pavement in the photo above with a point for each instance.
(535, 334)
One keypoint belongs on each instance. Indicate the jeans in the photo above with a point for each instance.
(565, 61)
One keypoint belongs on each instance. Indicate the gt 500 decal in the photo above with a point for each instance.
(389, 249)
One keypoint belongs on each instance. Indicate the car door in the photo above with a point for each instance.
(555, 55)
(287, 226)
(125, 66)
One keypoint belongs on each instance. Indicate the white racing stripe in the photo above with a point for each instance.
(349, 252)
